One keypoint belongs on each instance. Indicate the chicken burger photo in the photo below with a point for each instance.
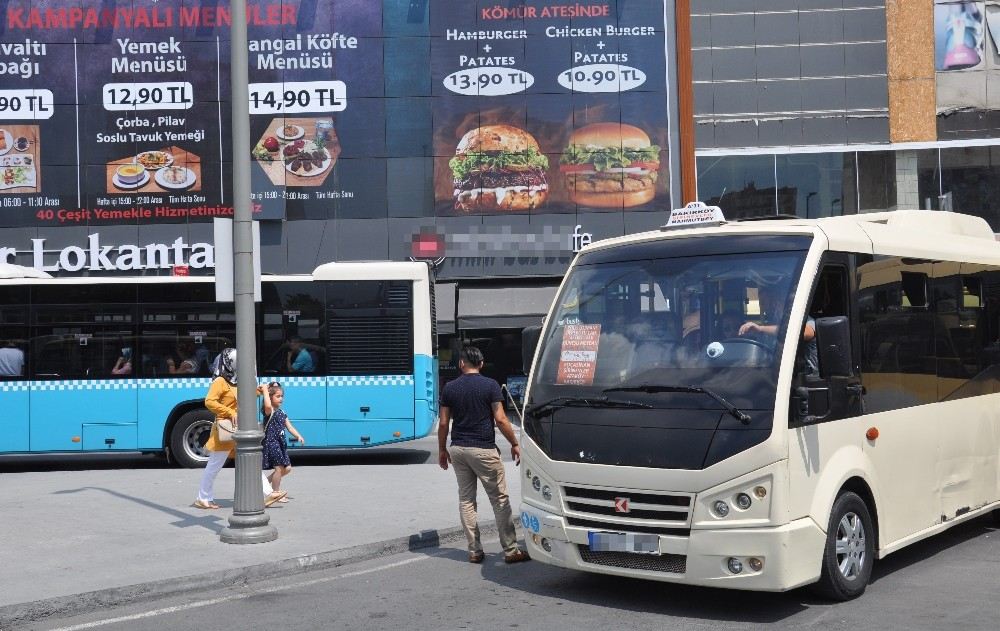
(499, 167)
(610, 165)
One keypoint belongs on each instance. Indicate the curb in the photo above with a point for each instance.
(87, 602)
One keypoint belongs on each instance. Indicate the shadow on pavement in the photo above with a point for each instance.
(210, 520)
(104, 462)
(928, 548)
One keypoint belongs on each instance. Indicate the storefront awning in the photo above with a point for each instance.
(444, 303)
(503, 307)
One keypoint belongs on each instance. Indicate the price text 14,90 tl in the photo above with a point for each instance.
(298, 97)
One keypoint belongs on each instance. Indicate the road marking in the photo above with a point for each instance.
(216, 601)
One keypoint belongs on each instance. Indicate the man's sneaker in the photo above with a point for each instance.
(517, 557)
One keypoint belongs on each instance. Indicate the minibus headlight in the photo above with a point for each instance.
(735, 565)
(720, 508)
(536, 483)
(547, 492)
(743, 501)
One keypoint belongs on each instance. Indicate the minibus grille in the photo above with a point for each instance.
(672, 563)
(626, 509)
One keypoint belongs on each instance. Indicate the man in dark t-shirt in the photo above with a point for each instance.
(476, 405)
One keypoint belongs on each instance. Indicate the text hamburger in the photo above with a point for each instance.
(610, 165)
(499, 167)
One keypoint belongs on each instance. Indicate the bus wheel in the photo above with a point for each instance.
(187, 439)
(849, 551)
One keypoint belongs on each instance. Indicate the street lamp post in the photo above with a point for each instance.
(249, 522)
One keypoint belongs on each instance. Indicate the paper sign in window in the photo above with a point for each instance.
(578, 355)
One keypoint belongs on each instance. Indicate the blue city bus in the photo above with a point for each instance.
(118, 364)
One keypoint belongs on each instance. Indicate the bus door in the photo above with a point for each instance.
(293, 352)
(78, 402)
(13, 369)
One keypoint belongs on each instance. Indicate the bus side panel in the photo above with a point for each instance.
(425, 405)
(358, 408)
(157, 398)
(59, 410)
(14, 420)
(305, 397)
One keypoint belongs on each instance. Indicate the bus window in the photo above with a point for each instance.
(293, 329)
(182, 340)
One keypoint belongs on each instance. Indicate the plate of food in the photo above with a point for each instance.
(16, 160)
(153, 160)
(309, 161)
(290, 132)
(17, 176)
(130, 176)
(175, 177)
(6, 141)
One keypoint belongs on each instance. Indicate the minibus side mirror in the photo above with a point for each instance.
(529, 341)
(833, 339)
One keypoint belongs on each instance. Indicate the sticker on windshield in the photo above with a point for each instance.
(578, 356)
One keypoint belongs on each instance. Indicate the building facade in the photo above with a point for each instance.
(826, 107)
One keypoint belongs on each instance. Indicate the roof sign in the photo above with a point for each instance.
(694, 214)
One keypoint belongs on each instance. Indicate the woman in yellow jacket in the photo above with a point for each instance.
(221, 401)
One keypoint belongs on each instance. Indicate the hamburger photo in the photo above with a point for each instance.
(498, 167)
(610, 165)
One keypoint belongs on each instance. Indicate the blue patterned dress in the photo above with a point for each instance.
(275, 449)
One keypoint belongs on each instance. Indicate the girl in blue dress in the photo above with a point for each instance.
(275, 454)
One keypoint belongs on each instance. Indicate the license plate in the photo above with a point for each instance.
(624, 542)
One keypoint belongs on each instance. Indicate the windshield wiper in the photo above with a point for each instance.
(743, 417)
(583, 402)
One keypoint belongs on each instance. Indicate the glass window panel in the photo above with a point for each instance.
(876, 180)
(813, 185)
(928, 179)
(743, 186)
(294, 323)
(970, 182)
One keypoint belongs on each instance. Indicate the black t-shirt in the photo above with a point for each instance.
(470, 399)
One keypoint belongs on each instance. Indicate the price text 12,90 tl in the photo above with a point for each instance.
(174, 95)
(298, 97)
(25, 104)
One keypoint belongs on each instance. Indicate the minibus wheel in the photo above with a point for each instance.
(849, 551)
(187, 439)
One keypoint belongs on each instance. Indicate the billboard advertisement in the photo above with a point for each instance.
(439, 117)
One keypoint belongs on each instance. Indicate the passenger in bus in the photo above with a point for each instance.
(476, 403)
(772, 302)
(298, 358)
(221, 401)
(124, 364)
(11, 360)
(188, 364)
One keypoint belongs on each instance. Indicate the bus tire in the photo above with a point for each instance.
(849, 551)
(187, 439)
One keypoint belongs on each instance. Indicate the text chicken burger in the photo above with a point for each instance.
(499, 167)
(610, 165)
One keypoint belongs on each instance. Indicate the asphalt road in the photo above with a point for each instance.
(951, 581)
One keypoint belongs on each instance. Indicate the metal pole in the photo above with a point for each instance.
(249, 522)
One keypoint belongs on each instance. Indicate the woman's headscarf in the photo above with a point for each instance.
(226, 368)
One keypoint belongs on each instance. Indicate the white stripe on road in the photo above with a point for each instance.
(215, 601)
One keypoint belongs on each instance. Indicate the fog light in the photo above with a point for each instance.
(735, 566)
(743, 501)
(760, 492)
(546, 545)
(755, 564)
(536, 483)
(721, 508)
(546, 492)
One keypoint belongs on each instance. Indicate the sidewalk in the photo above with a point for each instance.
(77, 540)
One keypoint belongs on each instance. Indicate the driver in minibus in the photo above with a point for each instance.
(772, 303)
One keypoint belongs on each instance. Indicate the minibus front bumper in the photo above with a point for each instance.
(769, 559)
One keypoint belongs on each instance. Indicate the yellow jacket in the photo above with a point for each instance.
(221, 401)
